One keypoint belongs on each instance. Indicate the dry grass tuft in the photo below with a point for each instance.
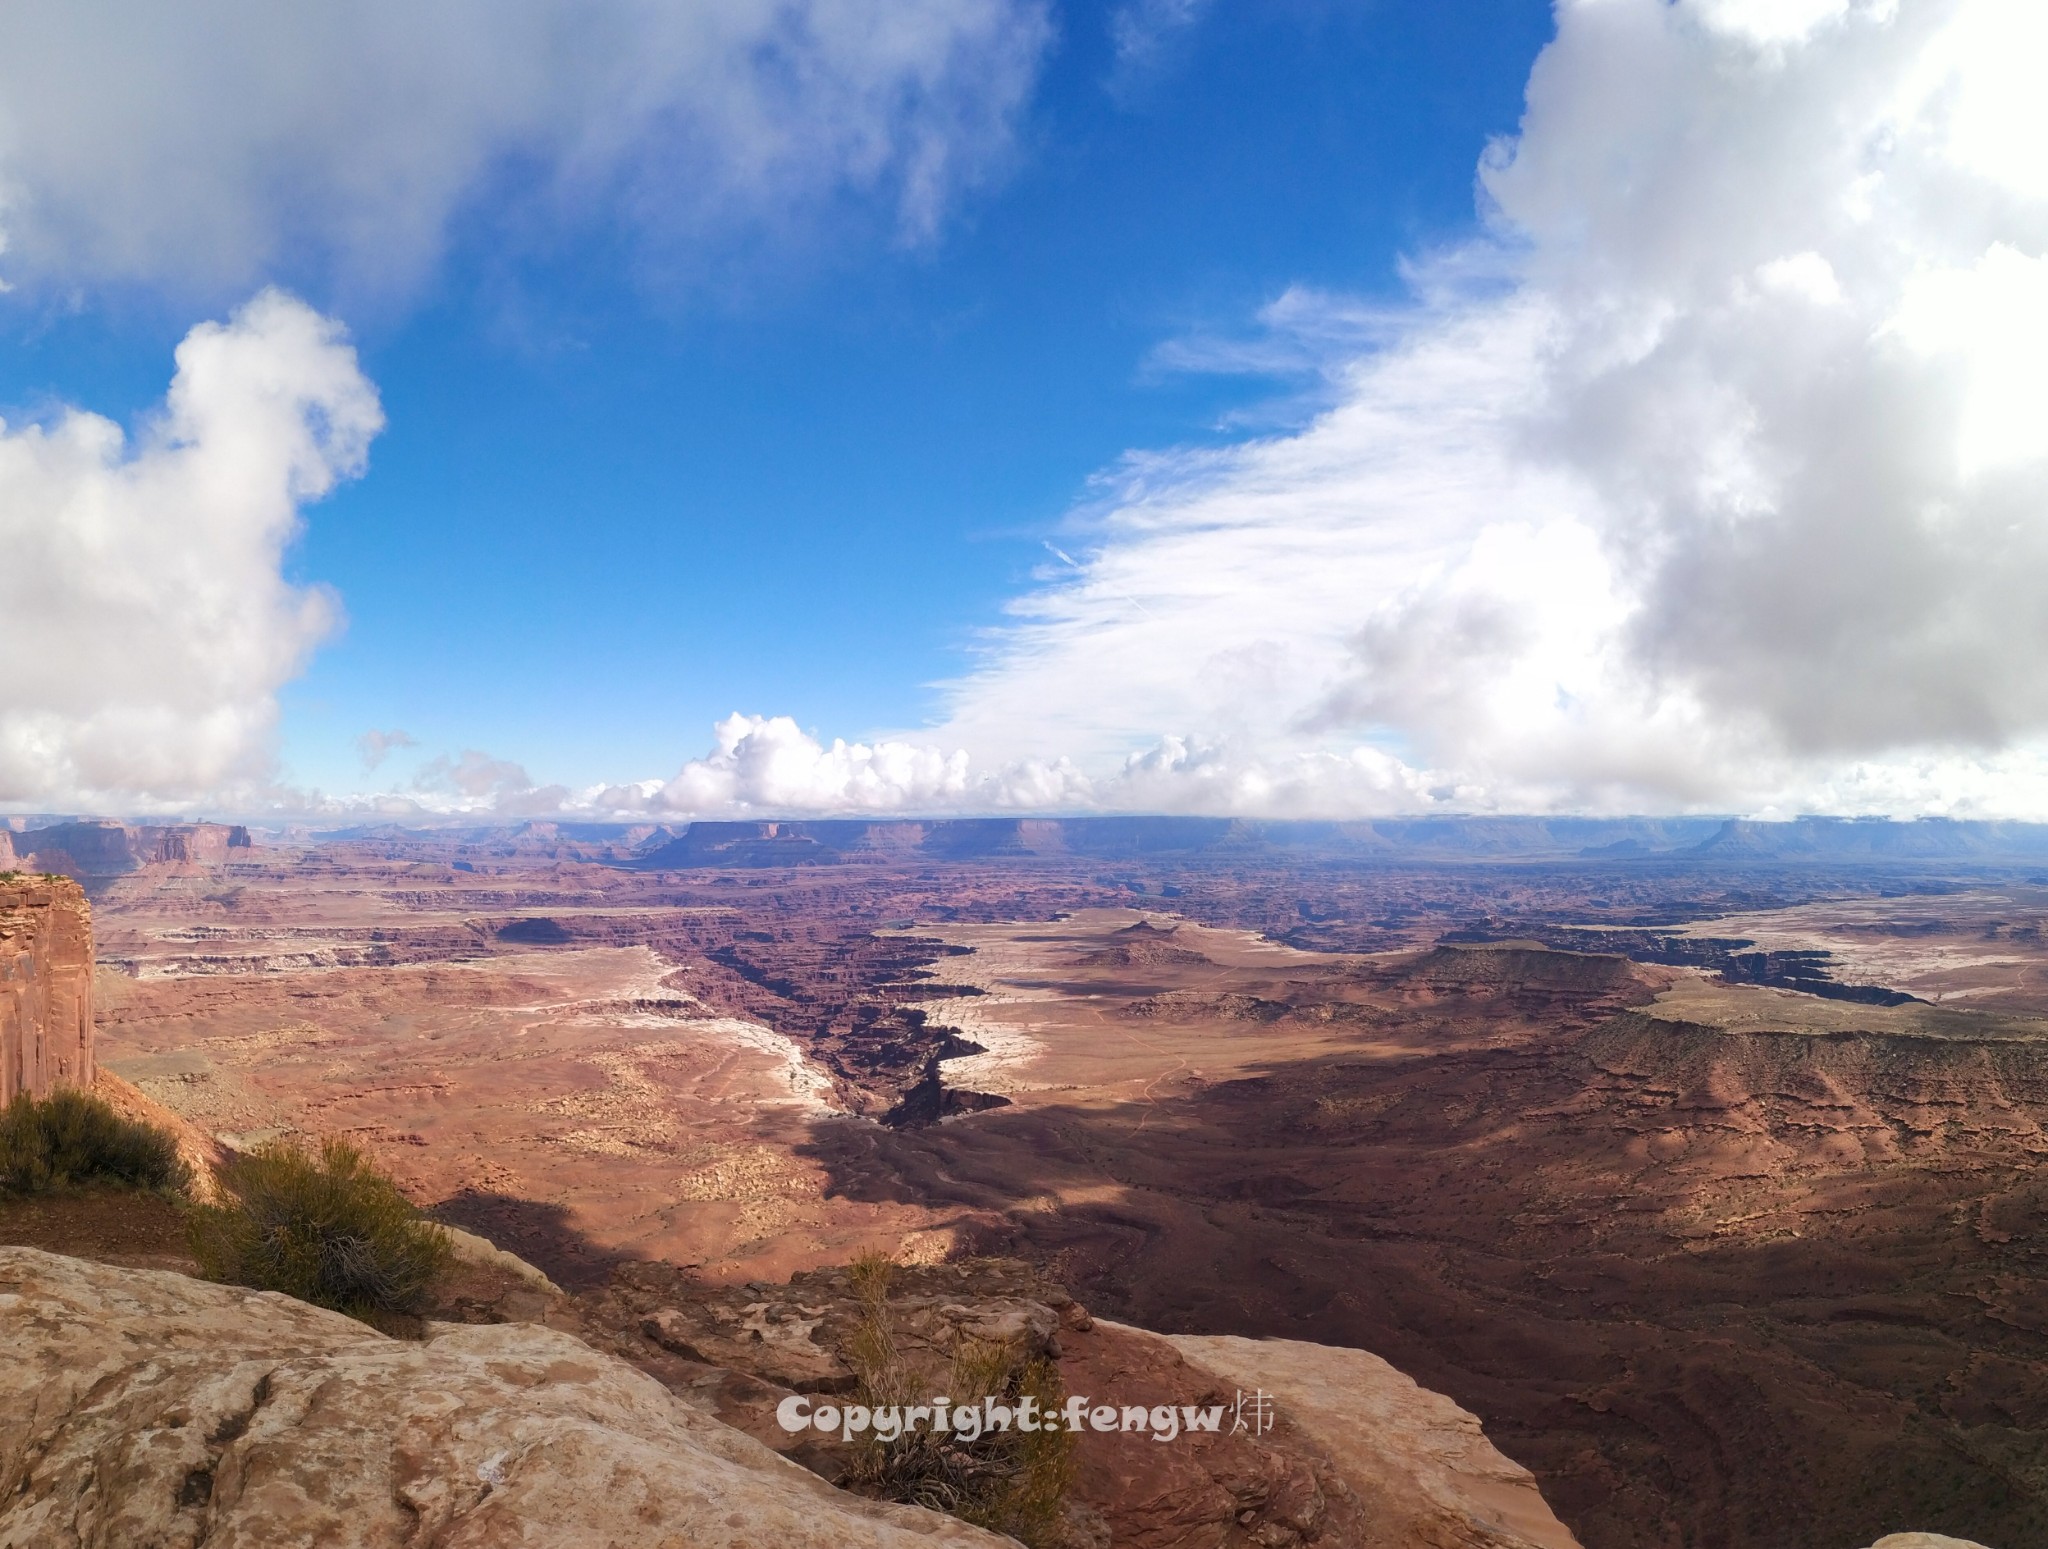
(1008, 1481)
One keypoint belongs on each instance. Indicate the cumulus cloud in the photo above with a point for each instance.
(1715, 475)
(204, 146)
(145, 623)
(769, 764)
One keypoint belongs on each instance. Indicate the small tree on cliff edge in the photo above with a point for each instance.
(325, 1227)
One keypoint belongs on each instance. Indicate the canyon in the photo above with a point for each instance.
(1701, 1161)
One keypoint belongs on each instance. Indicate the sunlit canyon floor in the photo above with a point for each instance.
(1725, 1263)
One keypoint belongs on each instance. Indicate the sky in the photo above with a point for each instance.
(1292, 408)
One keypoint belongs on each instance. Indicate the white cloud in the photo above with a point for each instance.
(475, 774)
(1144, 33)
(145, 624)
(477, 783)
(205, 146)
(767, 765)
(376, 746)
(1770, 21)
(1717, 476)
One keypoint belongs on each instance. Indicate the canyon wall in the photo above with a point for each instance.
(45, 986)
(97, 848)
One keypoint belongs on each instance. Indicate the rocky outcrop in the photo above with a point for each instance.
(45, 987)
(1423, 1467)
(206, 844)
(141, 1408)
(1347, 1453)
(469, 1248)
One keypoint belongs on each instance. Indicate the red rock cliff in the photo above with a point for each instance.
(45, 986)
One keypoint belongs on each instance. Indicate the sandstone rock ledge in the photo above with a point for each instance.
(145, 1410)
(1422, 1466)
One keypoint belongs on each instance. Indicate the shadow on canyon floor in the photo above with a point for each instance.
(538, 1232)
(1721, 1291)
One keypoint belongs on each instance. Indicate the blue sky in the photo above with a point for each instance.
(784, 406)
(801, 475)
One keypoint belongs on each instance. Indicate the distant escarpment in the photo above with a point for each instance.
(97, 848)
(45, 986)
(1689, 841)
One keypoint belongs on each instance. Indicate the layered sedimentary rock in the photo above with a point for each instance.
(99, 848)
(142, 1407)
(205, 843)
(46, 1030)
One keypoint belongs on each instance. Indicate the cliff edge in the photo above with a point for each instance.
(140, 1407)
(45, 986)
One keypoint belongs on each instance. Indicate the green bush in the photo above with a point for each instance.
(72, 1139)
(325, 1227)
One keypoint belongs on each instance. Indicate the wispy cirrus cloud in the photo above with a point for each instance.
(1717, 474)
(1146, 36)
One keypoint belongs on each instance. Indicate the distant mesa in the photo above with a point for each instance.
(1648, 841)
(1735, 959)
(96, 849)
(1522, 965)
(1837, 839)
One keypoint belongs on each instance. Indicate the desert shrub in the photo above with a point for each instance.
(324, 1226)
(72, 1139)
(1009, 1481)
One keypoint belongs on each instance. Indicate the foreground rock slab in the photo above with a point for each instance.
(146, 1410)
(1349, 1453)
(1423, 1466)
